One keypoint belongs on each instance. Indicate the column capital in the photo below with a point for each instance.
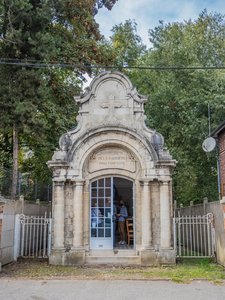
(77, 182)
(149, 179)
(164, 179)
(144, 183)
(59, 182)
(164, 182)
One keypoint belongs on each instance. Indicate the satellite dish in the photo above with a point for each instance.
(209, 144)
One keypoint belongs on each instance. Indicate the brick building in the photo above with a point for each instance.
(219, 135)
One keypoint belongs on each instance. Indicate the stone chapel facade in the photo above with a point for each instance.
(110, 156)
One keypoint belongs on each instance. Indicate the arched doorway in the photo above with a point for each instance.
(106, 195)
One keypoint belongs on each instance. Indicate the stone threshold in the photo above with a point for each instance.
(113, 260)
(113, 253)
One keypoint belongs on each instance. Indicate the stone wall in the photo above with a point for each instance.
(217, 209)
(8, 211)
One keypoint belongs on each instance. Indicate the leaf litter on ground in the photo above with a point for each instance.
(182, 272)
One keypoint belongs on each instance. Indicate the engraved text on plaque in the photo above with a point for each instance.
(109, 158)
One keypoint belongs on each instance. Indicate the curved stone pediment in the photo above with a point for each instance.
(111, 99)
(111, 104)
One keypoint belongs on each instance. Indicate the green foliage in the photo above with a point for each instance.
(106, 3)
(178, 99)
(40, 101)
(127, 44)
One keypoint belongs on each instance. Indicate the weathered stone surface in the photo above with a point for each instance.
(155, 258)
(67, 258)
(111, 139)
(112, 157)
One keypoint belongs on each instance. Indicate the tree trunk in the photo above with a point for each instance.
(15, 162)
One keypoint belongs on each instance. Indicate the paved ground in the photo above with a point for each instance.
(11, 289)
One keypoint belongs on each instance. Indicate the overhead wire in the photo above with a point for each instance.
(40, 64)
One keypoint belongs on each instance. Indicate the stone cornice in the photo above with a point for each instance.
(166, 163)
(57, 164)
(160, 179)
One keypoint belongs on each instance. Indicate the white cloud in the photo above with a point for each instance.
(147, 13)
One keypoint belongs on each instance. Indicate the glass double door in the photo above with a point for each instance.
(101, 214)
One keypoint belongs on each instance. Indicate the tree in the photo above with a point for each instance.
(178, 99)
(35, 103)
(127, 44)
(106, 3)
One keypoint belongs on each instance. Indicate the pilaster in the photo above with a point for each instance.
(58, 214)
(165, 222)
(146, 216)
(78, 214)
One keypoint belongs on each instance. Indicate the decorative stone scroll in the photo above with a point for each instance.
(112, 158)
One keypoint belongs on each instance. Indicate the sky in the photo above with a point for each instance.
(147, 13)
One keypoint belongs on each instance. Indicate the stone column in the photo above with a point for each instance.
(58, 214)
(165, 224)
(78, 214)
(146, 217)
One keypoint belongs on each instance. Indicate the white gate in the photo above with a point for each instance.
(194, 236)
(32, 236)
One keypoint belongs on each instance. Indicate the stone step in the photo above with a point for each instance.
(114, 252)
(113, 260)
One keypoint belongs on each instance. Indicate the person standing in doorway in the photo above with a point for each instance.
(114, 218)
(121, 222)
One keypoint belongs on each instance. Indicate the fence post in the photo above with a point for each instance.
(16, 248)
(174, 234)
(49, 236)
(22, 223)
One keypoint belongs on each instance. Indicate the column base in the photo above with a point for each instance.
(156, 258)
(71, 258)
(147, 248)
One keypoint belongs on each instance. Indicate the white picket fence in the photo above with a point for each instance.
(32, 236)
(194, 236)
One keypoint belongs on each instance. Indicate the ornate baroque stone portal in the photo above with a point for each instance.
(111, 139)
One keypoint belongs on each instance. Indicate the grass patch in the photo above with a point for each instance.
(184, 271)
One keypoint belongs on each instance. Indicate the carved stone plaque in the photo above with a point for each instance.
(112, 158)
